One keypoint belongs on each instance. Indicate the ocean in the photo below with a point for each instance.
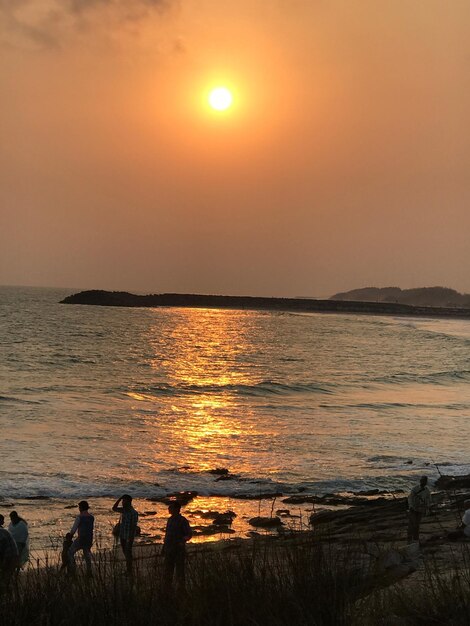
(98, 401)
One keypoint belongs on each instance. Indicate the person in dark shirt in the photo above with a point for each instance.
(177, 533)
(127, 527)
(83, 526)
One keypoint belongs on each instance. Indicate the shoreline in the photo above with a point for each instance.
(373, 524)
(96, 297)
(50, 518)
(353, 569)
(353, 561)
(213, 519)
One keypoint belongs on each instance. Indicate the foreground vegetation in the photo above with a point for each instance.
(279, 582)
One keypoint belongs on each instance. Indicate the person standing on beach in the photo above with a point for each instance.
(83, 526)
(177, 534)
(20, 533)
(127, 527)
(8, 555)
(419, 502)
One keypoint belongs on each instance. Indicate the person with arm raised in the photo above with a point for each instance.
(127, 527)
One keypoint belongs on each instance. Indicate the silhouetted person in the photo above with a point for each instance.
(19, 531)
(83, 526)
(419, 502)
(177, 533)
(8, 555)
(127, 527)
(66, 545)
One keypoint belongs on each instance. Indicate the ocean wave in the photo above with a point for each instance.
(436, 378)
(263, 388)
(34, 486)
(64, 486)
(416, 466)
(18, 400)
(413, 406)
(58, 358)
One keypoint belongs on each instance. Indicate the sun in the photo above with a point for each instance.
(220, 98)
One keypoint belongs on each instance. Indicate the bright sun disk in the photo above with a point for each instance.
(220, 98)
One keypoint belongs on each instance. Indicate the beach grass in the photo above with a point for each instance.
(257, 583)
(439, 595)
(262, 582)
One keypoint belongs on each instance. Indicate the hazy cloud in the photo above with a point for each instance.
(46, 23)
(128, 7)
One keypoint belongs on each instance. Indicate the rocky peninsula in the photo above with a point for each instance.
(99, 297)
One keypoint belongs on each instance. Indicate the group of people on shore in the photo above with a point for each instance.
(14, 541)
(83, 527)
(177, 534)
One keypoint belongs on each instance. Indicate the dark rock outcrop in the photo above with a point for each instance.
(453, 482)
(212, 529)
(224, 519)
(363, 514)
(183, 497)
(219, 471)
(265, 522)
(218, 519)
(332, 499)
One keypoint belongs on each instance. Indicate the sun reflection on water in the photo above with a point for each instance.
(208, 347)
(205, 362)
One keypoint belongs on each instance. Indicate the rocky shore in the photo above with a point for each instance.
(380, 515)
(366, 518)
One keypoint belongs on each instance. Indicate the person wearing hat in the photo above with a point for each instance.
(419, 502)
(83, 526)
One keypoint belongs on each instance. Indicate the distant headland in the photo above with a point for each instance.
(334, 305)
(421, 296)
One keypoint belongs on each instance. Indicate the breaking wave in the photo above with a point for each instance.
(263, 388)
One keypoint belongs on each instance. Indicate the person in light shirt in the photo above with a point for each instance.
(20, 533)
(419, 503)
(466, 519)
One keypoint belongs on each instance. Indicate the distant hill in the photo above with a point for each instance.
(422, 296)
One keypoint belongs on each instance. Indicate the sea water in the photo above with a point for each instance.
(98, 401)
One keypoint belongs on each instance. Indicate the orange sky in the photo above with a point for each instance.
(343, 162)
